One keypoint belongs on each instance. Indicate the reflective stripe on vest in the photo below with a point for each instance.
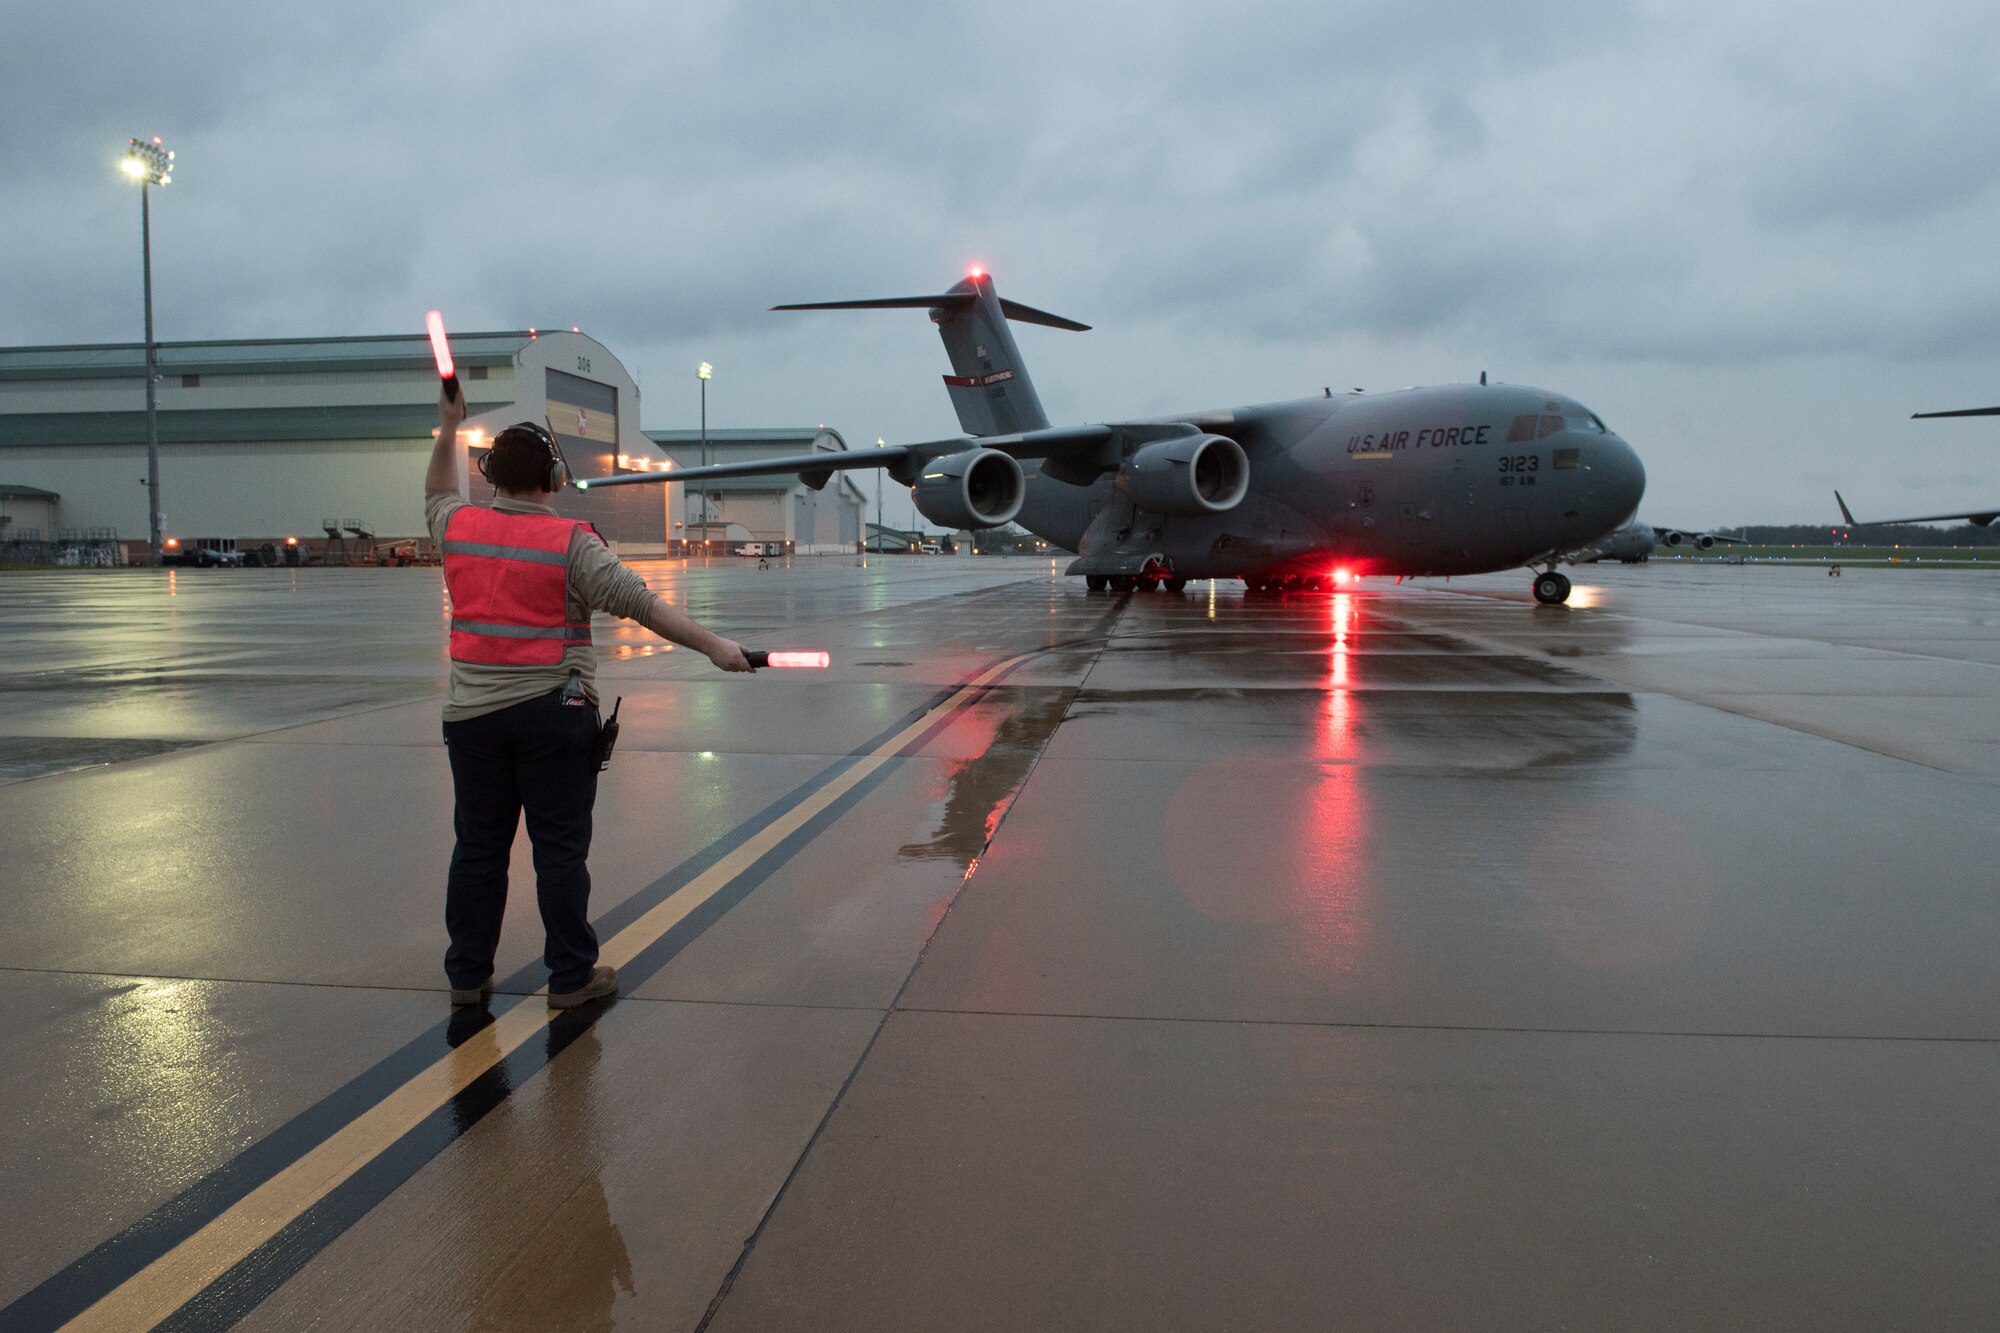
(508, 575)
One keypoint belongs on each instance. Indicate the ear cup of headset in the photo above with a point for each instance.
(556, 477)
(485, 464)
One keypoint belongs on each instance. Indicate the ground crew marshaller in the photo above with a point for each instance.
(520, 717)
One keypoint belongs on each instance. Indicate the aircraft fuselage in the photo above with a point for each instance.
(1454, 479)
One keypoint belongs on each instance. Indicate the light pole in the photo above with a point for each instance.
(702, 372)
(879, 520)
(150, 164)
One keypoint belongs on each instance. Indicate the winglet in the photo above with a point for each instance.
(1844, 512)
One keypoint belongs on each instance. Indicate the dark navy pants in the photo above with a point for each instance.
(537, 757)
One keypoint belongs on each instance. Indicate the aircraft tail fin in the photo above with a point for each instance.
(1844, 511)
(989, 385)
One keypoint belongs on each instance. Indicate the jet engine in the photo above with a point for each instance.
(980, 488)
(1672, 538)
(1189, 474)
(1704, 542)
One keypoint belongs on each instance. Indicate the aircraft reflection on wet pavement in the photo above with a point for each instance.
(1451, 479)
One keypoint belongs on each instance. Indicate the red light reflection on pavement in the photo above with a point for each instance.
(1296, 862)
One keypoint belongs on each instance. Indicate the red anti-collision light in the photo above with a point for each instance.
(976, 272)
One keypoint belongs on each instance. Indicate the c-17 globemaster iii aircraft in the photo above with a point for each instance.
(1454, 479)
(1633, 544)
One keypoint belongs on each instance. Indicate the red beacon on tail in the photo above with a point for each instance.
(441, 349)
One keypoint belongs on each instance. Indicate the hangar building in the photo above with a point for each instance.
(266, 439)
(767, 509)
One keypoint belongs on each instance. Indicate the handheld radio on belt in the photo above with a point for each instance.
(607, 737)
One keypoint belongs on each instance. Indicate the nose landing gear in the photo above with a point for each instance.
(1551, 588)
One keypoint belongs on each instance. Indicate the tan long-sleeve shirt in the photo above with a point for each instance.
(597, 582)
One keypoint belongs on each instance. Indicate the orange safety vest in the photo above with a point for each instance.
(508, 575)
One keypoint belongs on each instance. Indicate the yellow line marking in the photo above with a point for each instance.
(178, 1276)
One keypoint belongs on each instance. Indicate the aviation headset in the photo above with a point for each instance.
(555, 472)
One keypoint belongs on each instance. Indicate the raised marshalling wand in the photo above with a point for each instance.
(441, 351)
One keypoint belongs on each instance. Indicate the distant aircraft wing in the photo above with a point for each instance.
(903, 461)
(1694, 537)
(1981, 517)
(1962, 412)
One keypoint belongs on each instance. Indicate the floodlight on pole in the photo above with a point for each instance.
(149, 162)
(702, 372)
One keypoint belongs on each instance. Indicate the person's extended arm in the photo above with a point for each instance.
(600, 581)
(442, 474)
(673, 624)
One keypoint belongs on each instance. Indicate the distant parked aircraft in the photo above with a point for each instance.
(1982, 517)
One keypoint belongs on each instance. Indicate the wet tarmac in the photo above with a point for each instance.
(1406, 957)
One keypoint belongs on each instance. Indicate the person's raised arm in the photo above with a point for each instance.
(442, 474)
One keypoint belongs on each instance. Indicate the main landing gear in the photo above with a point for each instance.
(1551, 588)
(1154, 577)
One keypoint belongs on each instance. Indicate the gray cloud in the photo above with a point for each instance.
(1669, 201)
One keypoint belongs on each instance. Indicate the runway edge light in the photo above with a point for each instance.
(441, 350)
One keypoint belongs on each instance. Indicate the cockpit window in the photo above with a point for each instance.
(1585, 422)
(1522, 430)
(1550, 425)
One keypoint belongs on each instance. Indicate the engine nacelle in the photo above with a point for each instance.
(1704, 542)
(980, 488)
(1672, 538)
(1189, 474)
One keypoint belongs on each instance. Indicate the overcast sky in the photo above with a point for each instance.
(1754, 237)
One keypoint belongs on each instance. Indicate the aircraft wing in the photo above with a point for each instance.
(903, 461)
(1981, 517)
(1962, 412)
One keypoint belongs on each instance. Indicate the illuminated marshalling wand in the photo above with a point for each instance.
(759, 658)
(441, 350)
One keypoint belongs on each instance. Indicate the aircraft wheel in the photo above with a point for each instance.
(1175, 585)
(1096, 582)
(1552, 589)
(1123, 583)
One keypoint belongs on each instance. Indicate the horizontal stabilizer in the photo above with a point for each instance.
(1962, 412)
(1014, 310)
(1027, 314)
(945, 299)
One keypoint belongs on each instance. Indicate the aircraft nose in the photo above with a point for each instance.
(1617, 481)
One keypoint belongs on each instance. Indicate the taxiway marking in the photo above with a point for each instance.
(156, 1292)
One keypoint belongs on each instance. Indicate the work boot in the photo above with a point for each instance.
(603, 981)
(463, 996)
